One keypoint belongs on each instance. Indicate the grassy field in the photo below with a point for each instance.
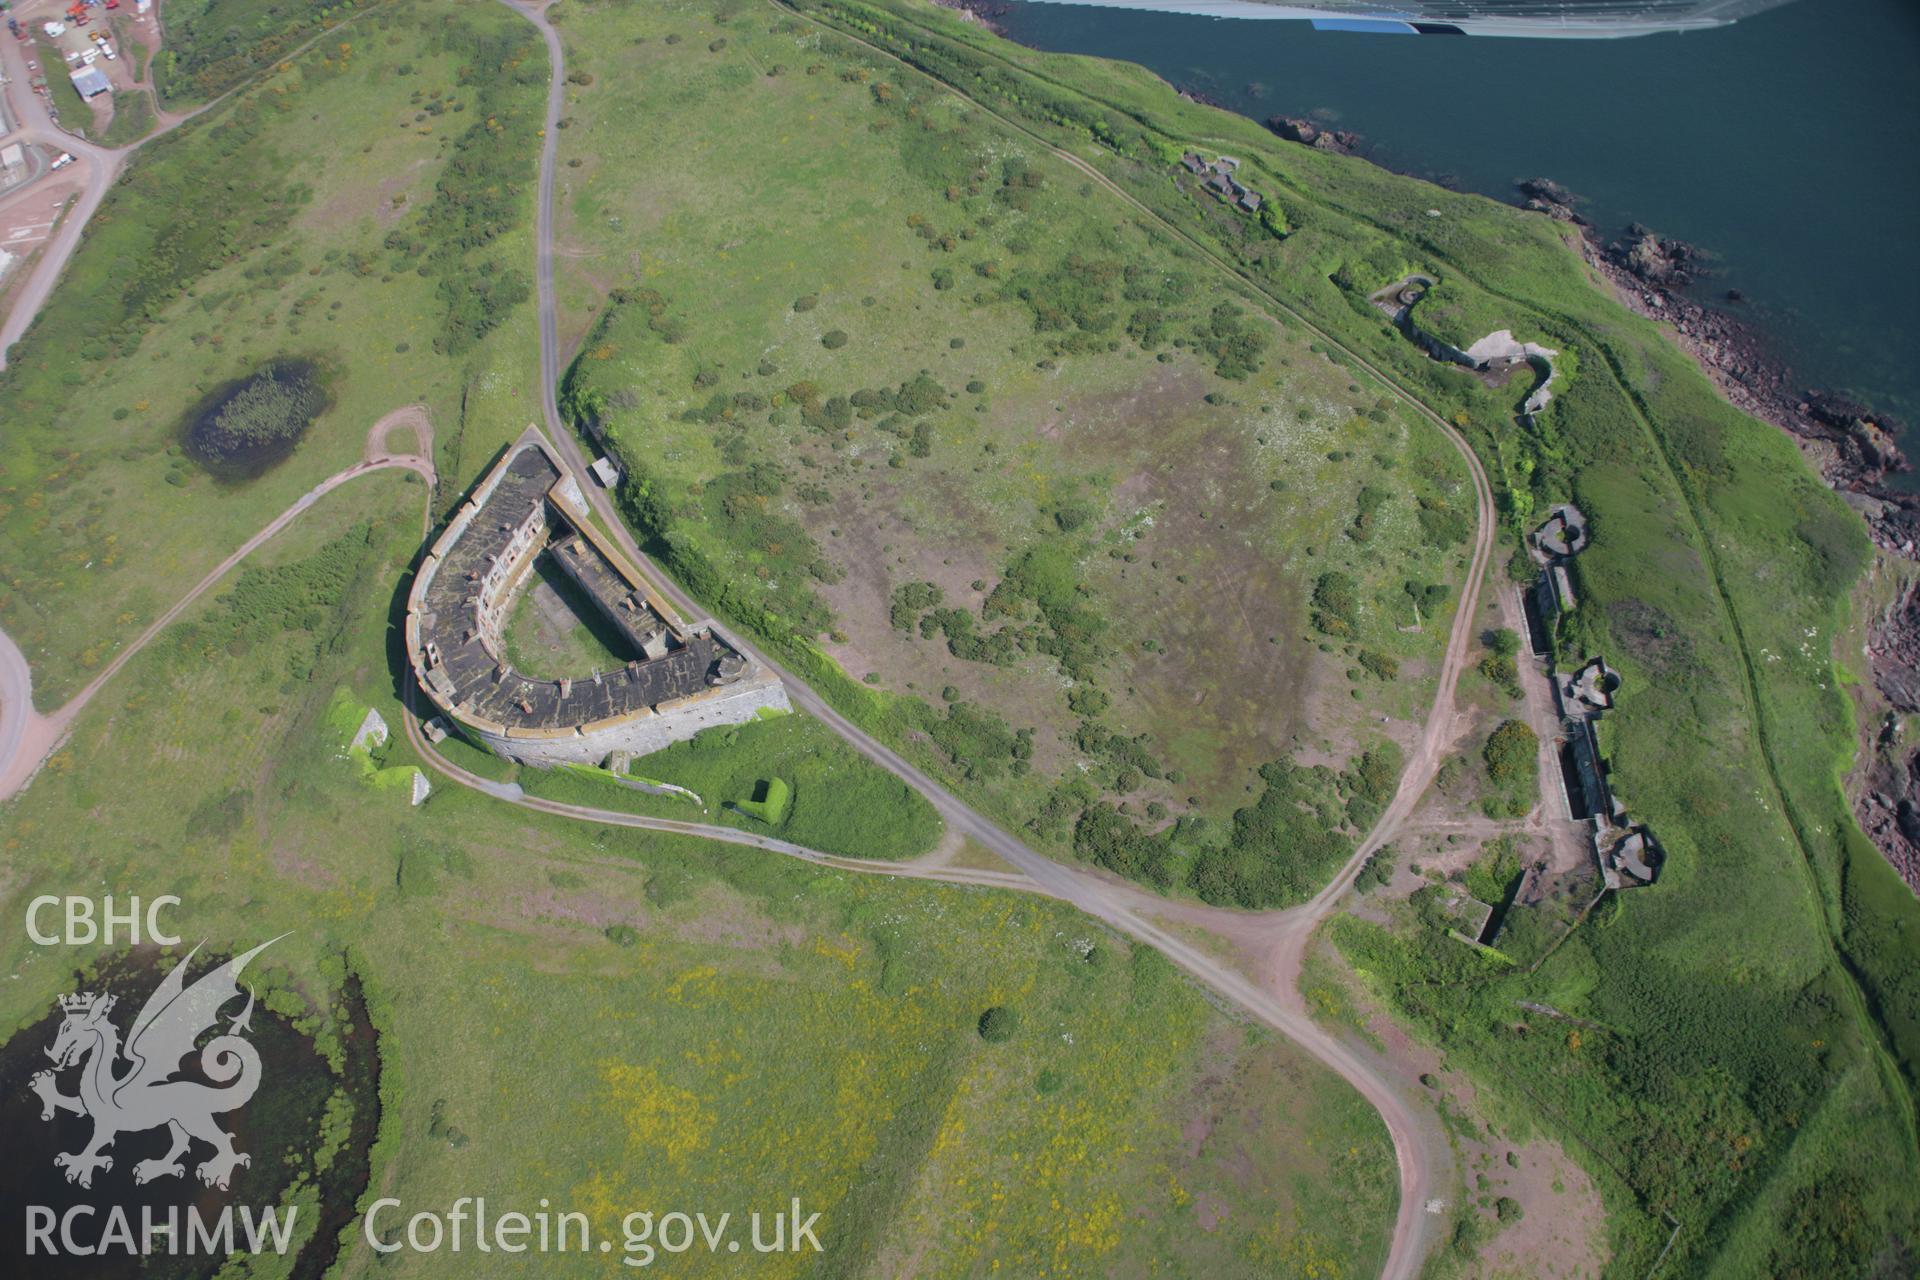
(837, 802)
(554, 629)
(1759, 1003)
(1461, 316)
(213, 45)
(132, 120)
(1749, 1028)
(276, 225)
(969, 435)
(620, 1023)
(73, 110)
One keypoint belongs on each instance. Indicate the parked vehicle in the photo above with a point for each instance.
(66, 158)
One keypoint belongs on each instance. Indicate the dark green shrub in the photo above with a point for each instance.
(998, 1024)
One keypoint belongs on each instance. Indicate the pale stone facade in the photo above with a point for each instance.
(681, 678)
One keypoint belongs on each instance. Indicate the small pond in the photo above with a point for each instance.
(279, 1128)
(245, 427)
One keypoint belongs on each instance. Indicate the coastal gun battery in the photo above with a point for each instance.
(1626, 852)
(679, 678)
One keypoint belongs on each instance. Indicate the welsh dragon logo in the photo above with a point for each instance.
(131, 1088)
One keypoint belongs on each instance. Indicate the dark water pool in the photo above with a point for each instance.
(246, 427)
(278, 1129)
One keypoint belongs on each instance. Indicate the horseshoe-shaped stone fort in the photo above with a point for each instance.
(680, 678)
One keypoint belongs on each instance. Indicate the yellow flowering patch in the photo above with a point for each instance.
(661, 1119)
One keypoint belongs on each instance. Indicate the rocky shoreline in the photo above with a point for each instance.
(1886, 780)
(1854, 450)
(1341, 142)
(985, 12)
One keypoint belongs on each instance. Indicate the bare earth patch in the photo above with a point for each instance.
(1562, 1228)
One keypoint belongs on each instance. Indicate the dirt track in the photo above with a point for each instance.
(26, 737)
(1420, 1148)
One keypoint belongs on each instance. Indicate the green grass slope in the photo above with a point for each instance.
(835, 801)
(282, 223)
(1030, 492)
(617, 1022)
(1760, 1001)
(210, 46)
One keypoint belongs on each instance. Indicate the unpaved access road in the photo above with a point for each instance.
(27, 737)
(1420, 1147)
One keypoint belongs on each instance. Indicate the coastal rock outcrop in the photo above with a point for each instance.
(1670, 264)
(987, 13)
(1544, 195)
(1866, 441)
(1888, 779)
(1893, 652)
(1855, 450)
(1308, 134)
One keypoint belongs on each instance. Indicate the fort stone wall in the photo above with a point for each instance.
(638, 735)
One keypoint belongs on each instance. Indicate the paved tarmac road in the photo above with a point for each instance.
(99, 165)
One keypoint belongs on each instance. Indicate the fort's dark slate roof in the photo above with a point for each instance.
(602, 579)
(517, 702)
(481, 686)
(1587, 773)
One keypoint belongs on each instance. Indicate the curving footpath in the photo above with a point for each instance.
(1423, 1156)
(1421, 1149)
(512, 793)
(27, 738)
